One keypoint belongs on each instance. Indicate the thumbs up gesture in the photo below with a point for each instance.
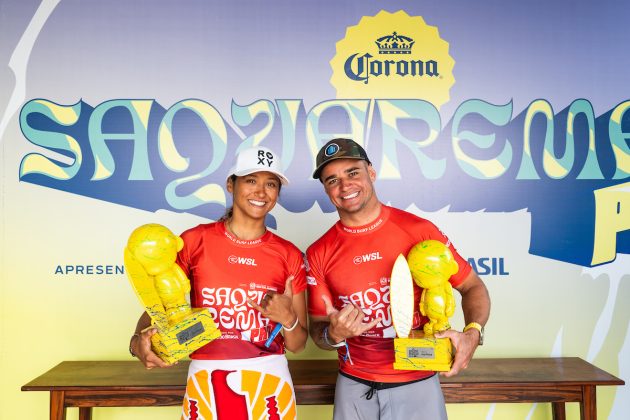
(347, 322)
(278, 307)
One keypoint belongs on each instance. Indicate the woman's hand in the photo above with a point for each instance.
(140, 346)
(278, 307)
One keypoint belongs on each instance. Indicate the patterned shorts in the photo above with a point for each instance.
(239, 389)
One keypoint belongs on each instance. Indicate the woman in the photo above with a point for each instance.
(251, 280)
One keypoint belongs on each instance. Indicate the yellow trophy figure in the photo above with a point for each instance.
(431, 264)
(162, 286)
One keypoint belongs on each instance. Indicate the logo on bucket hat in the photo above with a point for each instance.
(338, 149)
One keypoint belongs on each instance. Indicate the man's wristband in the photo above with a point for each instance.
(131, 341)
(478, 327)
(340, 344)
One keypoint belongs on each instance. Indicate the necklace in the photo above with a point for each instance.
(230, 229)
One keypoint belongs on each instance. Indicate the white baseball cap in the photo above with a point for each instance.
(258, 159)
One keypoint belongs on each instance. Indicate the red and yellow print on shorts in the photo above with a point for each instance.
(243, 389)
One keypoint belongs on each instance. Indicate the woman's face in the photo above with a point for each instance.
(254, 195)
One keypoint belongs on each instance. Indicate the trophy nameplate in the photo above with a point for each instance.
(193, 332)
(418, 352)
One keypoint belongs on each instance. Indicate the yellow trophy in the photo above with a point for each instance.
(430, 263)
(162, 286)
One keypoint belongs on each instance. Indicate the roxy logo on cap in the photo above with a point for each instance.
(332, 149)
(258, 159)
(265, 158)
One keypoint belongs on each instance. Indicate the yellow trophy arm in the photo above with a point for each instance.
(450, 301)
(144, 287)
(423, 303)
(181, 277)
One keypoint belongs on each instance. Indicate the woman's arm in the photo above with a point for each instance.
(295, 340)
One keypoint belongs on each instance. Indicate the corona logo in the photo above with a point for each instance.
(366, 68)
(361, 67)
(411, 60)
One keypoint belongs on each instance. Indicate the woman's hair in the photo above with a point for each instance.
(228, 211)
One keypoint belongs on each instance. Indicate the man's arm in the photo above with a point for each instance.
(476, 308)
(316, 329)
(475, 300)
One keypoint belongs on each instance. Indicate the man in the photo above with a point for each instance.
(348, 274)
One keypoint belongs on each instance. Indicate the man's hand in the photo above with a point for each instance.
(465, 345)
(346, 323)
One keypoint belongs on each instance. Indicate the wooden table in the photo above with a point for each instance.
(129, 384)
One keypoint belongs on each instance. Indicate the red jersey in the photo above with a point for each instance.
(354, 264)
(224, 272)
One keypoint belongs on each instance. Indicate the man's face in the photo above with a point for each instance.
(349, 185)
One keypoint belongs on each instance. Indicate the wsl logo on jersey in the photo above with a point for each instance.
(372, 256)
(393, 55)
(361, 67)
(233, 259)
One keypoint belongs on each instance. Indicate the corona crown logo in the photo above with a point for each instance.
(394, 44)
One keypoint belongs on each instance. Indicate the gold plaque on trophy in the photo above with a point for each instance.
(429, 264)
(162, 287)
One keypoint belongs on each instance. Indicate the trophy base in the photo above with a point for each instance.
(418, 352)
(181, 339)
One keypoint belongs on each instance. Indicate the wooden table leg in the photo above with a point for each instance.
(57, 405)
(85, 413)
(588, 406)
(558, 411)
